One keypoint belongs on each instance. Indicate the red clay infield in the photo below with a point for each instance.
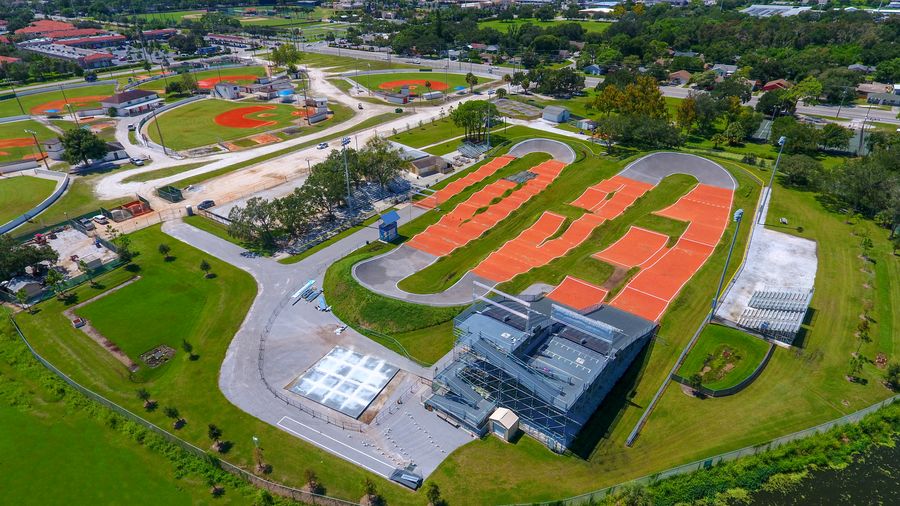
(60, 105)
(237, 118)
(413, 84)
(578, 294)
(209, 82)
(18, 142)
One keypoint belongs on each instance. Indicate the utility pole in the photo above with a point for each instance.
(162, 141)
(738, 215)
(66, 100)
(74, 116)
(862, 131)
(38, 144)
(781, 142)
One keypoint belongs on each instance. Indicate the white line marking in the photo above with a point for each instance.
(331, 450)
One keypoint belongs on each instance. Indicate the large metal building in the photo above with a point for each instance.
(550, 365)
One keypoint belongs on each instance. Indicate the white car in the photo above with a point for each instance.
(417, 61)
(100, 219)
(322, 145)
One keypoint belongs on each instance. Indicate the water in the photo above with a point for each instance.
(873, 479)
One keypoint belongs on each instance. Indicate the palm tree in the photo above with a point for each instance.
(164, 250)
(471, 80)
(214, 434)
(718, 139)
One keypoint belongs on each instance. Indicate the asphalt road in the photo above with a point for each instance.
(851, 113)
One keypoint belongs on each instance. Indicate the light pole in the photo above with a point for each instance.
(738, 215)
(344, 142)
(74, 116)
(15, 94)
(66, 100)
(162, 141)
(38, 144)
(781, 142)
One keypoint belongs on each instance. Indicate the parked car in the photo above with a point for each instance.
(136, 161)
(86, 223)
(206, 204)
(132, 127)
(417, 61)
(100, 219)
(322, 145)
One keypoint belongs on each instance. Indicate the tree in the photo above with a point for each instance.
(471, 80)
(171, 412)
(501, 93)
(56, 281)
(189, 83)
(607, 100)
(312, 481)
(86, 269)
(215, 435)
(800, 171)
(383, 162)
(205, 267)
(686, 114)
(370, 490)
(22, 297)
(473, 116)
(732, 87)
(808, 91)
(892, 376)
(81, 146)
(15, 258)
(776, 103)
(643, 98)
(802, 138)
(834, 136)
(164, 250)
(255, 222)
(718, 139)
(284, 55)
(854, 367)
(433, 493)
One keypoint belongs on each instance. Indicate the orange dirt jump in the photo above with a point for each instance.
(19, 142)
(208, 83)
(237, 118)
(413, 84)
(60, 105)
(578, 294)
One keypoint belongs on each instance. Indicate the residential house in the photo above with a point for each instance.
(131, 102)
(555, 114)
(777, 84)
(162, 34)
(32, 286)
(594, 70)
(679, 77)
(866, 89)
(859, 67)
(8, 59)
(723, 70)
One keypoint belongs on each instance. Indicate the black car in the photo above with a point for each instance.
(206, 204)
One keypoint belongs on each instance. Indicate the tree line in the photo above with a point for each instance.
(264, 223)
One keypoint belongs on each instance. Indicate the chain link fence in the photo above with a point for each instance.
(707, 463)
(275, 488)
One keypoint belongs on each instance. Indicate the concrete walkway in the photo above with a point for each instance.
(294, 337)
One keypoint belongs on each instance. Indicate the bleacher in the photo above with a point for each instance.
(776, 313)
(472, 150)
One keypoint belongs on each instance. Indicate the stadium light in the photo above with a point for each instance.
(38, 144)
(738, 217)
(765, 203)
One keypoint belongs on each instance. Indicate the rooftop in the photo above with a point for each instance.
(127, 96)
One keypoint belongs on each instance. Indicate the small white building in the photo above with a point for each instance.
(504, 424)
(131, 102)
(585, 124)
(555, 114)
(432, 95)
(227, 90)
(321, 114)
(32, 286)
(317, 102)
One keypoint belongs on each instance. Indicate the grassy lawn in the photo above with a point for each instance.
(218, 306)
(161, 173)
(335, 63)
(375, 81)
(21, 193)
(730, 355)
(429, 133)
(370, 122)
(193, 125)
(76, 97)
(175, 16)
(502, 26)
(15, 133)
(227, 74)
(109, 467)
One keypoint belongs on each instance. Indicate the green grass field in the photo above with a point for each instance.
(334, 63)
(20, 194)
(189, 386)
(174, 16)
(193, 125)
(502, 26)
(30, 103)
(16, 133)
(374, 82)
(745, 353)
(159, 85)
